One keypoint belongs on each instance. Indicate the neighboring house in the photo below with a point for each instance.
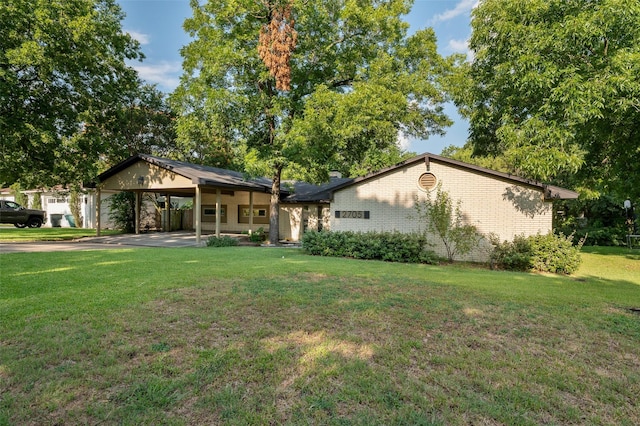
(7, 194)
(494, 202)
(55, 202)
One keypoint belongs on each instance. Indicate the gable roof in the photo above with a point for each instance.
(199, 175)
(550, 192)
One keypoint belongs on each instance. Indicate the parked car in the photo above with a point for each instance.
(20, 217)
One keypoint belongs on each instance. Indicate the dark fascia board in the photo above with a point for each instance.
(550, 192)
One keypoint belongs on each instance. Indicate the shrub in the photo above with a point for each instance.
(555, 253)
(224, 241)
(598, 221)
(543, 253)
(387, 246)
(444, 219)
(257, 236)
(511, 255)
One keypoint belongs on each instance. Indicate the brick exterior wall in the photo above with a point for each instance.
(491, 204)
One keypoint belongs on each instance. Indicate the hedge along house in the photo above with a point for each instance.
(494, 202)
(223, 200)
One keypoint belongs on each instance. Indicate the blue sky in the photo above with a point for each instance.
(157, 25)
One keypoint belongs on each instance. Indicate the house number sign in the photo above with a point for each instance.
(352, 214)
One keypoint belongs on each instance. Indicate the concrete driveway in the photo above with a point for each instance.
(110, 242)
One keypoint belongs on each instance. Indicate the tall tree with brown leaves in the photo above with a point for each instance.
(322, 96)
(277, 41)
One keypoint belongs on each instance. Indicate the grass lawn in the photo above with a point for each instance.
(245, 335)
(11, 234)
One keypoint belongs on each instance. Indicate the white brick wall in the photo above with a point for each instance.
(491, 204)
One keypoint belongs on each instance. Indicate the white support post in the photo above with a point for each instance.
(167, 209)
(198, 214)
(98, 212)
(250, 212)
(218, 207)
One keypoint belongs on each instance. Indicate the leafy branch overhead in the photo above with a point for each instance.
(277, 41)
(554, 89)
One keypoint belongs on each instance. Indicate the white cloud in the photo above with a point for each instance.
(463, 7)
(165, 74)
(403, 141)
(142, 38)
(461, 46)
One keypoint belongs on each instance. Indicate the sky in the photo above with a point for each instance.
(157, 25)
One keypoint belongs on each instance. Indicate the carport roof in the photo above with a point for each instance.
(291, 191)
(199, 175)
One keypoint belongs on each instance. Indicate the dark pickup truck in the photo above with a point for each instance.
(14, 213)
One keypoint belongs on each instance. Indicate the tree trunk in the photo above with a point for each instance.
(274, 211)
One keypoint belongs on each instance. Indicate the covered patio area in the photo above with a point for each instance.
(223, 200)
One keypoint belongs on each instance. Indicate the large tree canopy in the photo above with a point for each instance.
(62, 68)
(555, 90)
(340, 82)
(142, 123)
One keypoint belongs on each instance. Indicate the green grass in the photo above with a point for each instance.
(245, 335)
(13, 234)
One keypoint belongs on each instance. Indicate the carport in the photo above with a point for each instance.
(148, 174)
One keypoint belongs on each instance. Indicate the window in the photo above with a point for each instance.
(209, 213)
(56, 200)
(260, 214)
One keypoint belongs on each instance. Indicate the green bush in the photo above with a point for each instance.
(615, 236)
(257, 236)
(599, 222)
(224, 241)
(387, 246)
(543, 253)
(511, 255)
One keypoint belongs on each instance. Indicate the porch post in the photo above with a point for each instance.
(98, 207)
(137, 213)
(251, 211)
(198, 214)
(167, 209)
(218, 207)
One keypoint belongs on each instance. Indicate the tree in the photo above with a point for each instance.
(466, 154)
(554, 88)
(142, 122)
(307, 86)
(19, 196)
(62, 68)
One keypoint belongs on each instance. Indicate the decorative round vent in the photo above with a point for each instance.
(427, 181)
